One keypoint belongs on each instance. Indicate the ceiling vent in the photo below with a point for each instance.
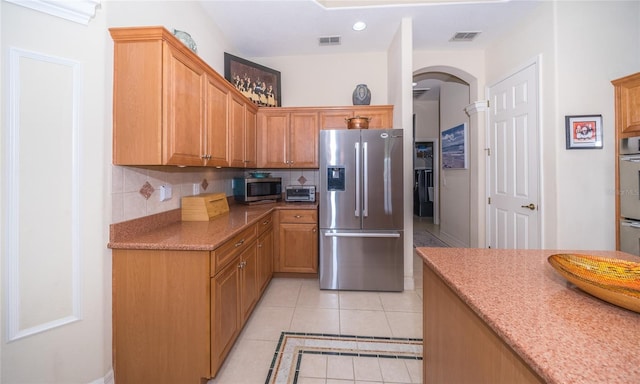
(330, 40)
(464, 36)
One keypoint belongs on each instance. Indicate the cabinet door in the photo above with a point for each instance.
(378, 117)
(225, 312)
(303, 140)
(248, 281)
(298, 248)
(334, 119)
(183, 109)
(272, 140)
(236, 129)
(627, 93)
(250, 140)
(137, 116)
(216, 133)
(265, 258)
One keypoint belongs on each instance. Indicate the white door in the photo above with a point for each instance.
(513, 176)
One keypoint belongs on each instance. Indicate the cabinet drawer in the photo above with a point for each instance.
(264, 224)
(232, 247)
(299, 216)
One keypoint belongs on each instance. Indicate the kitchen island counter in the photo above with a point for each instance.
(545, 327)
(166, 231)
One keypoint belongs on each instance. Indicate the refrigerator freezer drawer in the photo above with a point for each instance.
(362, 261)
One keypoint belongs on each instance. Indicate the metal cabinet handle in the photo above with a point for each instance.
(266, 222)
(297, 216)
(239, 243)
(531, 206)
(313, 230)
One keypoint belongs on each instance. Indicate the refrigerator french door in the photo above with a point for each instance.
(361, 210)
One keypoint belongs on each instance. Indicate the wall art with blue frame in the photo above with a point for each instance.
(454, 147)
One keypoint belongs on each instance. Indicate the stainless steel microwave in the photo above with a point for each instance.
(246, 190)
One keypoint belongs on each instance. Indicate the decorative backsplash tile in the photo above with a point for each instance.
(147, 190)
(131, 183)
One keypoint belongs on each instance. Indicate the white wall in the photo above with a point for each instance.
(81, 352)
(587, 62)
(328, 80)
(400, 79)
(427, 118)
(455, 183)
(578, 64)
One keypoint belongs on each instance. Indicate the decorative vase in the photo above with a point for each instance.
(361, 95)
(186, 39)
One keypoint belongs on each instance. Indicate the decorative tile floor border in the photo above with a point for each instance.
(285, 365)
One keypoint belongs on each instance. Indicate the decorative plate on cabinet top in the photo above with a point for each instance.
(612, 280)
(186, 39)
(260, 175)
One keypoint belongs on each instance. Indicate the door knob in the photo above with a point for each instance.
(530, 206)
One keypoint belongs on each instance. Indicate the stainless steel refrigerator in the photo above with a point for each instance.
(361, 210)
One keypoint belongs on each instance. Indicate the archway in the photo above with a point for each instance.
(460, 193)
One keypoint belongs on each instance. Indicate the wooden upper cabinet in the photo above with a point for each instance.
(251, 137)
(273, 130)
(381, 116)
(627, 97)
(184, 122)
(236, 129)
(217, 113)
(335, 119)
(287, 138)
(170, 107)
(303, 140)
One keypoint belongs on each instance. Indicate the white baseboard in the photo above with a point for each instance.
(107, 379)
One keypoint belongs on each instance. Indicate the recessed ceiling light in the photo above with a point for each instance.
(359, 26)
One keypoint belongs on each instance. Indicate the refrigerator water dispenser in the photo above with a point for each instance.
(335, 178)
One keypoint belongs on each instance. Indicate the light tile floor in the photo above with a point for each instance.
(298, 305)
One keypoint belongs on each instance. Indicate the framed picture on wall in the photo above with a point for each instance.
(257, 82)
(584, 132)
(454, 147)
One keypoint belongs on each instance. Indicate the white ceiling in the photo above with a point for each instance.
(265, 28)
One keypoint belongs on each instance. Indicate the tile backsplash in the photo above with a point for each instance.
(136, 191)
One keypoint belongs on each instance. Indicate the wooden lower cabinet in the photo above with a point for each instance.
(459, 347)
(248, 281)
(225, 313)
(298, 241)
(161, 316)
(265, 244)
(176, 314)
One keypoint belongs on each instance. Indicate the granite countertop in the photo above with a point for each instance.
(564, 334)
(167, 231)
